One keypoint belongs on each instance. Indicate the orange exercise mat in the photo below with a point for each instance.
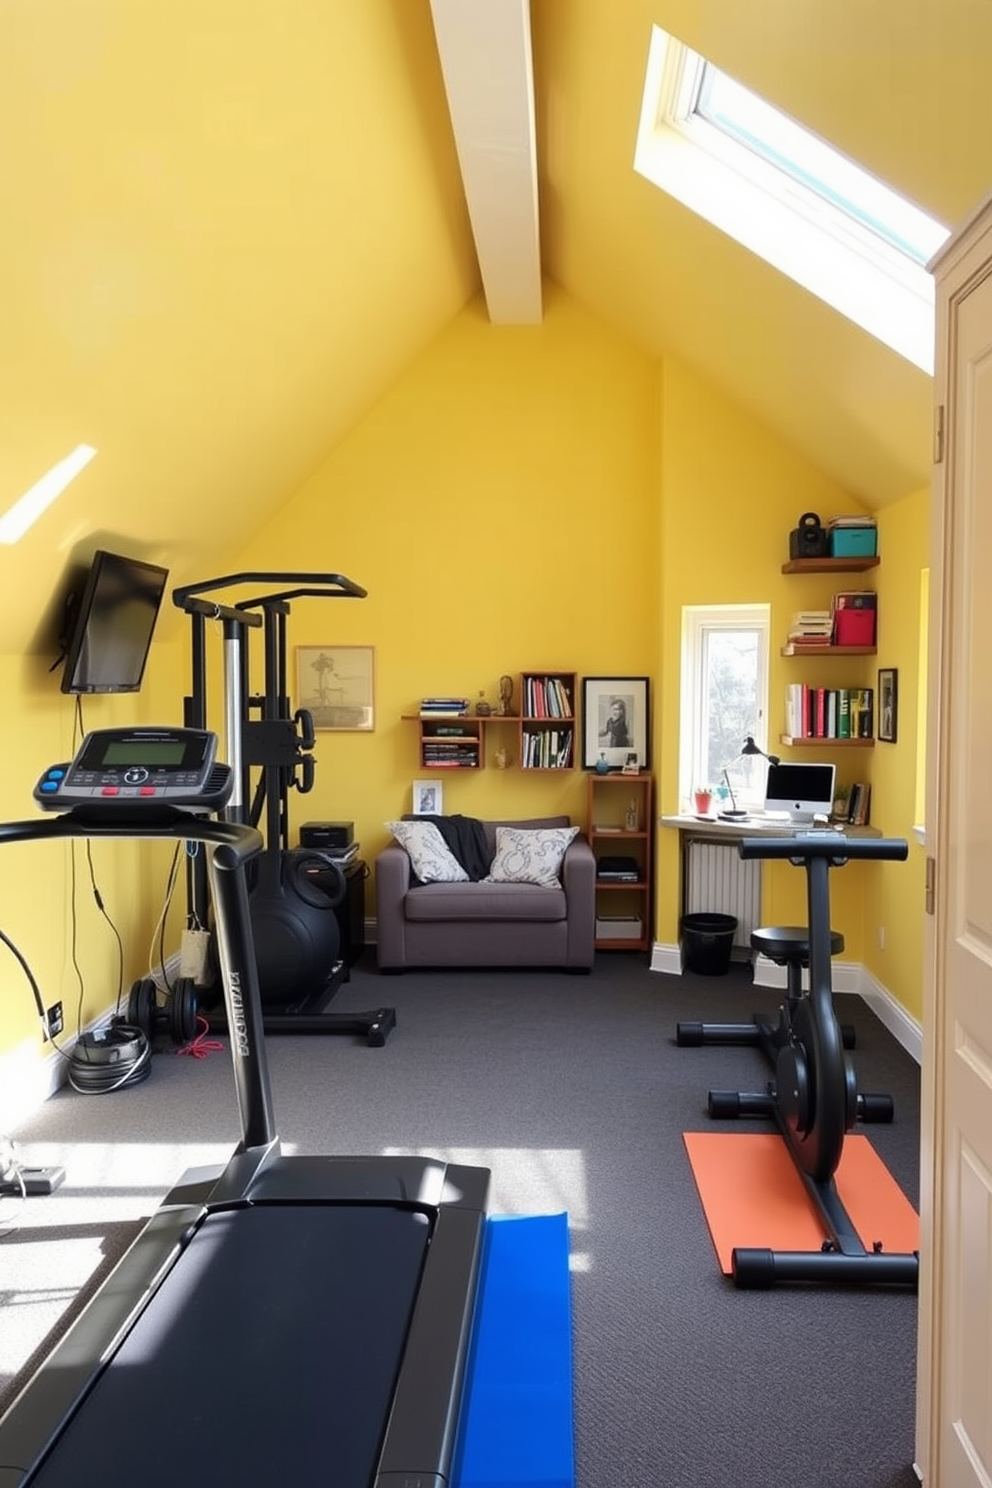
(753, 1196)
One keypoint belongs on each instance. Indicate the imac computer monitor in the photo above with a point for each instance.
(800, 791)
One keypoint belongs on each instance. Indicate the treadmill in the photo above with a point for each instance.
(302, 1320)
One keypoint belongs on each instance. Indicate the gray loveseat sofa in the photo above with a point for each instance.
(487, 924)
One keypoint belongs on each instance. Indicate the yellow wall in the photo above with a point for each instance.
(498, 505)
(895, 893)
(730, 495)
(519, 499)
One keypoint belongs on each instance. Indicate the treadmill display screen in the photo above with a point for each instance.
(135, 752)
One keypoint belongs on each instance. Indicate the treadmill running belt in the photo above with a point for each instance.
(268, 1355)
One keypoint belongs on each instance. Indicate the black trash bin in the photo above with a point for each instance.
(707, 940)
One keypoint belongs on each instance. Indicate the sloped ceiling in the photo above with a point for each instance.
(227, 225)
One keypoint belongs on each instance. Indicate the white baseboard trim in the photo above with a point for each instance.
(848, 976)
(167, 976)
(666, 958)
(27, 1081)
(888, 1010)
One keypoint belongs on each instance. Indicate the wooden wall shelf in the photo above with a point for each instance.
(800, 648)
(830, 565)
(824, 741)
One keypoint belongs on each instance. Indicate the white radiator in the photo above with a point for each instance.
(718, 881)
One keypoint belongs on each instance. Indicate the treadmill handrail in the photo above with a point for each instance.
(240, 842)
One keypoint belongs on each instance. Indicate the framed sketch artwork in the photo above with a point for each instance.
(336, 685)
(615, 722)
(888, 704)
(428, 799)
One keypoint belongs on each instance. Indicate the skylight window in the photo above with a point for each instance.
(788, 196)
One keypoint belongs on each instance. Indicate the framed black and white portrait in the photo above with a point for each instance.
(616, 721)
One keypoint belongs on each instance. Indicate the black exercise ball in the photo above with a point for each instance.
(297, 939)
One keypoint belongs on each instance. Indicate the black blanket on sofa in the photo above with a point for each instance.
(465, 837)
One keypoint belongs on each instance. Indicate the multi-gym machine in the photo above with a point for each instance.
(814, 1097)
(302, 1320)
(293, 892)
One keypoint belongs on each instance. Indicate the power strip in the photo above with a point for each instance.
(35, 1180)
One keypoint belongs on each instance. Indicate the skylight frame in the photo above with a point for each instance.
(807, 236)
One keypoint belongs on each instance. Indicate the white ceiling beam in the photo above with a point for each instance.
(486, 60)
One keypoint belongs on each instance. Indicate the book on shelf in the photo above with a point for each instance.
(547, 749)
(547, 697)
(856, 599)
(439, 707)
(829, 712)
(859, 805)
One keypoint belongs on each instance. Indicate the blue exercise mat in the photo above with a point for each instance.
(516, 1425)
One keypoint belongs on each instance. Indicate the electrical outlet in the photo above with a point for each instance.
(53, 1020)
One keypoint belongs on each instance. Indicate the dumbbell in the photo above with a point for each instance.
(177, 1017)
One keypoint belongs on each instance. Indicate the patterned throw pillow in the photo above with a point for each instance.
(530, 855)
(430, 856)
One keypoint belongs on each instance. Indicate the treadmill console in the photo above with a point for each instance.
(139, 767)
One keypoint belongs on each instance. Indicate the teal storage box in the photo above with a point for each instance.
(853, 542)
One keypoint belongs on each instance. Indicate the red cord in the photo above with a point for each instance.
(200, 1046)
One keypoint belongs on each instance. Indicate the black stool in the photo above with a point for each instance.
(785, 945)
(788, 946)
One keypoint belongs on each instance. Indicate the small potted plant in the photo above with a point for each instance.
(702, 798)
(842, 801)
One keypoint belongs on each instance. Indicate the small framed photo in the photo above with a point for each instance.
(888, 704)
(631, 763)
(335, 684)
(616, 722)
(428, 798)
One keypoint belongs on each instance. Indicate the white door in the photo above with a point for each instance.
(956, 1290)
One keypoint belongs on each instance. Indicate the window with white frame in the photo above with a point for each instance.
(789, 197)
(724, 697)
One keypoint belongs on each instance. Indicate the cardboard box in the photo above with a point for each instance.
(619, 927)
(854, 628)
(853, 542)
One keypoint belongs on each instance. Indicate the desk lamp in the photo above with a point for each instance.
(749, 747)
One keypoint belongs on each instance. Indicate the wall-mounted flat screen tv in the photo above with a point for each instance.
(112, 625)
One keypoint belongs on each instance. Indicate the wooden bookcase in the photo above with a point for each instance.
(547, 721)
(455, 743)
(545, 724)
(620, 824)
(837, 566)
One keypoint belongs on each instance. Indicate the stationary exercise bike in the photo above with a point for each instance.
(814, 1098)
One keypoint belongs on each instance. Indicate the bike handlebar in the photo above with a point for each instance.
(833, 845)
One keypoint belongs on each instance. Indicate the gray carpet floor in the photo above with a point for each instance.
(573, 1091)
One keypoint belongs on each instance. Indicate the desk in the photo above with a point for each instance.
(712, 829)
(740, 893)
